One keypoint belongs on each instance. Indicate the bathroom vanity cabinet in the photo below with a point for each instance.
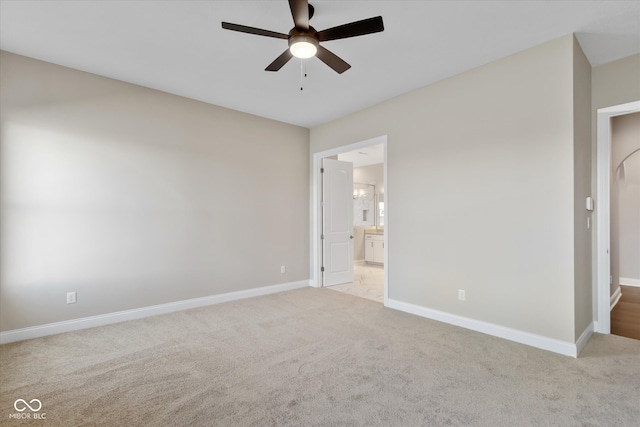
(374, 248)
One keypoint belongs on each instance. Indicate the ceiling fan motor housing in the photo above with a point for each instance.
(303, 45)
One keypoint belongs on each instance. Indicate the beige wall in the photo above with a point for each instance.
(370, 174)
(625, 137)
(616, 83)
(583, 300)
(134, 197)
(481, 184)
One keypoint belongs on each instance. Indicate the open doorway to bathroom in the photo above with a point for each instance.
(377, 270)
(368, 223)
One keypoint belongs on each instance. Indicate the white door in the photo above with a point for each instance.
(337, 227)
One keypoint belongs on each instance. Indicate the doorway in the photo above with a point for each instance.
(603, 296)
(625, 224)
(372, 215)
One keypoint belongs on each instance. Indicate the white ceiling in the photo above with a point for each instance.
(180, 47)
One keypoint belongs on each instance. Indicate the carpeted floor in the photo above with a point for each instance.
(313, 357)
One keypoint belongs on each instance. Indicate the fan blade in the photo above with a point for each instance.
(332, 60)
(353, 29)
(300, 13)
(253, 30)
(280, 61)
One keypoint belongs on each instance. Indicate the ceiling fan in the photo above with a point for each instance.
(304, 40)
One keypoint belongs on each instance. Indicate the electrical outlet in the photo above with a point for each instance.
(461, 294)
(71, 297)
(283, 269)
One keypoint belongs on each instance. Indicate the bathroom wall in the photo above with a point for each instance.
(371, 174)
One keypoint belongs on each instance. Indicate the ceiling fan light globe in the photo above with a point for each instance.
(303, 47)
(303, 50)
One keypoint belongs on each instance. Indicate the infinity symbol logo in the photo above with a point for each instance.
(26, 405)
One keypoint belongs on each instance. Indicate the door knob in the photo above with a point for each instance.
(351, 237)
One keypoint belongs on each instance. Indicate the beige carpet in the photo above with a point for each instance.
(314, 357)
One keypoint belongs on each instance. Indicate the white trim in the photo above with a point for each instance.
(602, 290)
(386, 223)
(533, 340)
(617, 294)
(139, 313)
(627, 281)
(316, 226)
(584, 338)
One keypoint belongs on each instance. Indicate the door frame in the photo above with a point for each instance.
(316, 209)
(602, 288)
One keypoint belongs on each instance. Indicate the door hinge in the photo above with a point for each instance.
(321, 170)
(322, 269)
(322, 237)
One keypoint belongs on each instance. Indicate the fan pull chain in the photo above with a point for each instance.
(303, 74)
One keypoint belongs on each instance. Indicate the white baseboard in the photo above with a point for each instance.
(584, 338)
(533, 340)
(139, 313)
(626, 281)
(615, 297)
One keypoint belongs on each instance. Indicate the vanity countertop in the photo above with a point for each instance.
(374, 231)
